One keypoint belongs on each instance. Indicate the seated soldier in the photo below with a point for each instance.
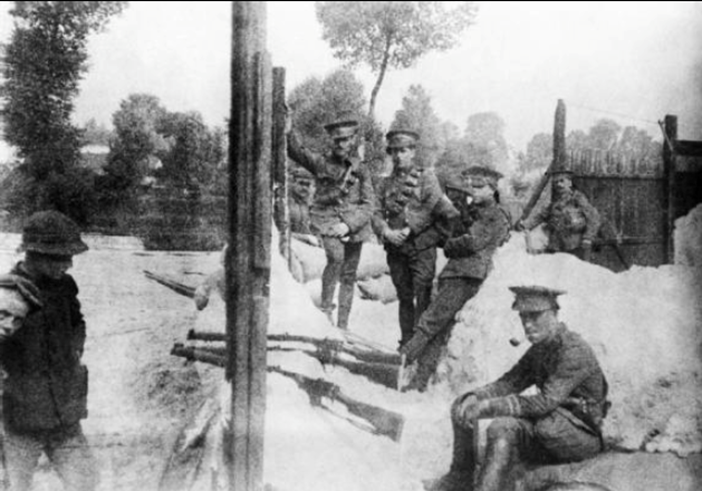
(561, 423)
(571, 221)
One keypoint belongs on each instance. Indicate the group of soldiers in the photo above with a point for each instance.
(42, 330)
(412, 215)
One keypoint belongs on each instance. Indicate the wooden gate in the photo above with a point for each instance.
(640, 200)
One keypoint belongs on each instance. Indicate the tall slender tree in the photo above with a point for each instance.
(387, 35)
(43, 64)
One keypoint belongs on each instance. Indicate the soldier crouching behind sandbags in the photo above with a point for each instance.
(572, 223)
(562, 423)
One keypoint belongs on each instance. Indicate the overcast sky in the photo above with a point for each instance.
(633, 62)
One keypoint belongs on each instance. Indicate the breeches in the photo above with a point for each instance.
(342, 258)
(554, 438)
(67, 450)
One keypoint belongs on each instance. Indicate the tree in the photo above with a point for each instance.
(604, 134)
(539, 153)
(418, 115)
(137, 140)
(44, 62)
(485, 141)
(95, 134)
(391, 34)
(315, 102)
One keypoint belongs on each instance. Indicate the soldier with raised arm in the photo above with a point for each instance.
(341, 210)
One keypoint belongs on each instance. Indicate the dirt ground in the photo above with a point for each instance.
(141, 397)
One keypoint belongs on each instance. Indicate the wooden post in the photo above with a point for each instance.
(671, 136)
(281, 214)
(559, 157)
(247, 265)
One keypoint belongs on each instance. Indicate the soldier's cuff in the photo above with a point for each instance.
(501, 406)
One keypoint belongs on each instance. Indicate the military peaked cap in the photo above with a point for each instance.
(344, 126)
(480, 174)
(400, 138)
(535, 298)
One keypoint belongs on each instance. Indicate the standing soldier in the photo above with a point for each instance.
(46, 390)
(481, 228)
(341, 210)
(560, 423)
(406, 221)
(572, 223)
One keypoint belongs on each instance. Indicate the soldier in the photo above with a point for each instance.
(46, 388)
(479, 230)
(341, 210)
(561, 423)
(571, 221)
(406, 222)
(300, 197)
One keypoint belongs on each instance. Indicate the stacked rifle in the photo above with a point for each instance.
(354, 353)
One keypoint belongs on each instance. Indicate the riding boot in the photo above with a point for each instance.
(328, 288)
(494, 474)
(423, 299)
(346, 291)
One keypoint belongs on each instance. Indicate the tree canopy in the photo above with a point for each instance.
(43, 64)
(391, 34)
(418, 115)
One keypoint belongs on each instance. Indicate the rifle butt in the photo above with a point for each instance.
(384, 422)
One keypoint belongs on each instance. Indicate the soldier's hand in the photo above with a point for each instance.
(458, 407)
(468, 411)
(339, 230)
(395, 237)
(414, 347)
(201, 297)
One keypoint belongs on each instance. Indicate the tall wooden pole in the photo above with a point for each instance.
(247, 265)
(559, 157)
(671, 136)
(281, 212)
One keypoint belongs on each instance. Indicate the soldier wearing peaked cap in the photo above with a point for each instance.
(481, 227)
(341, 210)
(411, 217)
(301, 189)
(561, 423)
(45, 393)
(572, 223)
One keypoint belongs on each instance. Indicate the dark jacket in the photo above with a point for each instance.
(411, 199)
(344, 191)
(476, 235)
(567, 374)
(570, 219)
(47, 386)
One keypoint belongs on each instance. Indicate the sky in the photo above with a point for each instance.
(633, 62)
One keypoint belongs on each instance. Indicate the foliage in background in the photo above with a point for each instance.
(418, 115)
(43, 64)
(315, 102)
(387, 35)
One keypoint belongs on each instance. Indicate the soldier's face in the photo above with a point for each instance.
(302, 188)
(13, 310)
(480, 191)
(402, 158)
(342, 146)
(562, 183)
(539, 326)
(53, 267)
